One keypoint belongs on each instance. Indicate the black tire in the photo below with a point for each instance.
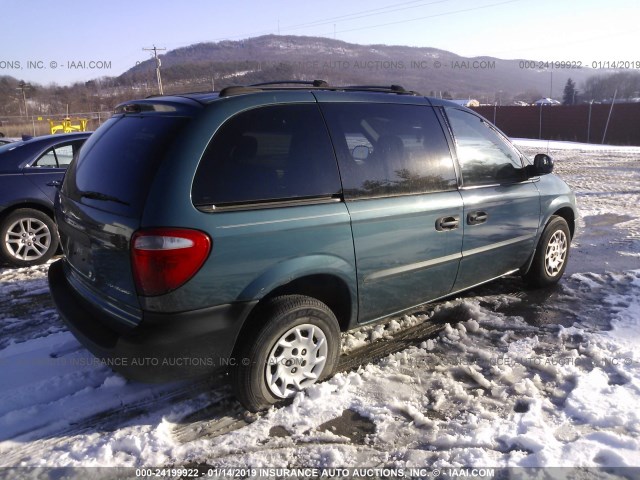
(274, 322)
(552, 254)
(27, 237)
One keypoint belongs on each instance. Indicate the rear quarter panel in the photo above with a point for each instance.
(253, 251)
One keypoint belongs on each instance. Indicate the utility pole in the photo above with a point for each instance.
(589, 122)
(158, 65)
(606, 126)
(23, 87)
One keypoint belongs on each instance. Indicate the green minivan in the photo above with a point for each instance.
(245, 229)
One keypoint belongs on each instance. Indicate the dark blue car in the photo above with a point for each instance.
(30, 170)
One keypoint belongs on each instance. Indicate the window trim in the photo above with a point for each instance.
(396, 195)
(451, 142)
(269, 204)
(505, 184)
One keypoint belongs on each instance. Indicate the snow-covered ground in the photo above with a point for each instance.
(520, 378)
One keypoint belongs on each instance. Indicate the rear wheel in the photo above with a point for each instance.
(28, 237)
(550, 260)
(296, 346)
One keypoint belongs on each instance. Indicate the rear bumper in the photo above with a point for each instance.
(163, 347)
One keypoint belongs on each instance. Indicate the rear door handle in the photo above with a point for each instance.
(447, 223)
(55, 183)
(476, 218)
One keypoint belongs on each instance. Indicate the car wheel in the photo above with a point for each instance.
(550, 259)
(28, 237)
(296, 346)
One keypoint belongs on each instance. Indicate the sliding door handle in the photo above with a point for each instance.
(447, 223)
(476, 218)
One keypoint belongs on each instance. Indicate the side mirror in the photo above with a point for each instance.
(542, 165)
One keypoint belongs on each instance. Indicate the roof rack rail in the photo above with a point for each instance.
(237, 90)
(390, 88)
(257, 87)
(319, 84)
(313, 83)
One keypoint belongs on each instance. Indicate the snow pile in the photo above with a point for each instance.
(492, 390)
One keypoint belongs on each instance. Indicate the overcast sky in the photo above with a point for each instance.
(113, 33)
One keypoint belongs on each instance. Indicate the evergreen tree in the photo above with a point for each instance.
(570, 93)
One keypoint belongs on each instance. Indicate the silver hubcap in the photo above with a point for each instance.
(556, 253)
(296, 361)
(28, 239)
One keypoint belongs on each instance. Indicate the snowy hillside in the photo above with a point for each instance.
(501, 376)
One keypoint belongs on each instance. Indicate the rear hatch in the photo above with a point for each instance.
(103, 197)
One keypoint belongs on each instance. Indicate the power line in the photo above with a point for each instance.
(364, 14)
(455, 12)
(330, 20)
(347, 17)
(355, 16)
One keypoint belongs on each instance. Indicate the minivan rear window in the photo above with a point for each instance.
(117, 164)
(266, 155)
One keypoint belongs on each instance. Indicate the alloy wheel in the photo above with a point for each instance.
(28, 239)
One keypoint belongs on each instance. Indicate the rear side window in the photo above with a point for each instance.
(389, 149)
(485, 157)
(47, 160)
(117, 164)
(60, 156)
(272, 153)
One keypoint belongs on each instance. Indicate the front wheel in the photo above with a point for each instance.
(296, 345)
(550, 259)
(28, 237)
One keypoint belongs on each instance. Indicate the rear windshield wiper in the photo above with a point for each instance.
(103, 197)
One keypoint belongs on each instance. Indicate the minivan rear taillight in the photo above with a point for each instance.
(163, 259)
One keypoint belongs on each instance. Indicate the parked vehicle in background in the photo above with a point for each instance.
(30, 170)
(248, 228)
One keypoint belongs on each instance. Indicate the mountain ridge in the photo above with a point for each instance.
(425, 69)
